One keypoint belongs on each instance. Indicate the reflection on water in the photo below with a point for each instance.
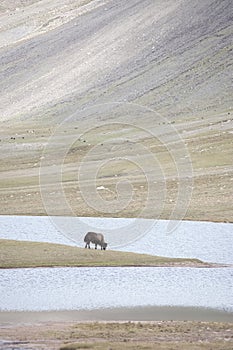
(105, 287)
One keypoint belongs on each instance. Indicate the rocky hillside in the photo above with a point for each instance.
(141, 93)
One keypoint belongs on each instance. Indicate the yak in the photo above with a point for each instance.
(95, 238)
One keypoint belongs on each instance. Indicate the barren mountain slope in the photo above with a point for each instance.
(171, 60)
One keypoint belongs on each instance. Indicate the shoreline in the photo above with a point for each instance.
(121, 314)
(204, 265)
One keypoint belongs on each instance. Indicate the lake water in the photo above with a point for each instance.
(211, 242)
(89, 289)
(43, 289)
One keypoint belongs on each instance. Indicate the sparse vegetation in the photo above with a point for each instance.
(210, 155)
(162, 335)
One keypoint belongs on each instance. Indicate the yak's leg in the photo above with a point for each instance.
(95, 246)
(87, 245)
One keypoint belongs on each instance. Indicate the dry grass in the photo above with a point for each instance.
(35, 254)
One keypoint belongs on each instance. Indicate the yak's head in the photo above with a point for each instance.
(105, 246)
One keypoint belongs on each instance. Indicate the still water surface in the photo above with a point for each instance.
(107, 287)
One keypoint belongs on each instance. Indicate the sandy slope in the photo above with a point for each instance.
(175, 57)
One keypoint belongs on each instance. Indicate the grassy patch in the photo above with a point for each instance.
(35, 254)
